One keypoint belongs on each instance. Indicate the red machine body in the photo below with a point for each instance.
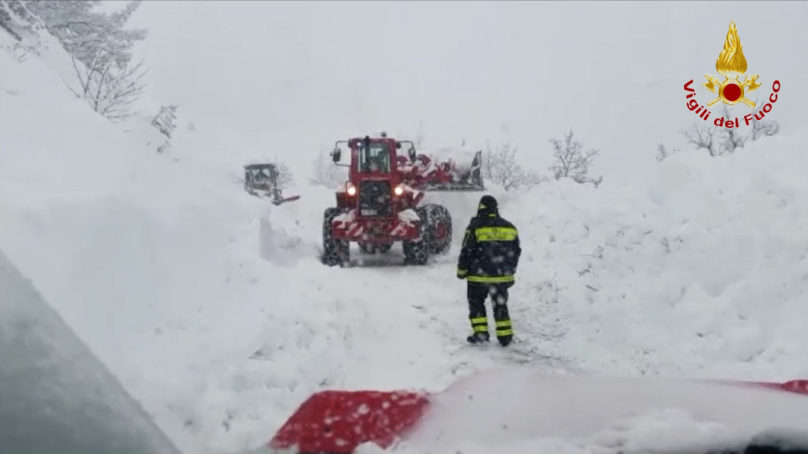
(379, 204)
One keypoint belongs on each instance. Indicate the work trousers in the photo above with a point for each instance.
(477, 294)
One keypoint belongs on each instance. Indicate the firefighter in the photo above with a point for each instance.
(487, 262)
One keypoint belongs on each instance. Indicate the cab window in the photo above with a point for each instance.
(374, 158)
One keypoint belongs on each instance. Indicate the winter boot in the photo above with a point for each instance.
(504, 340)
(478, 338)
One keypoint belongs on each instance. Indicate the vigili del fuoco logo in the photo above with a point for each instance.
(734, 88)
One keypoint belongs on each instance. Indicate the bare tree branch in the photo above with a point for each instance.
(571, 161)
(101, 51)
(721, 141)
(702, 137)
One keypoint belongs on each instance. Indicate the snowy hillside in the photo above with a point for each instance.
(213, 310)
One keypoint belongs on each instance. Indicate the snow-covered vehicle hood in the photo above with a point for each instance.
(526, 410)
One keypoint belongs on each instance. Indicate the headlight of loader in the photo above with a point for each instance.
(350, 188)
(398, 190)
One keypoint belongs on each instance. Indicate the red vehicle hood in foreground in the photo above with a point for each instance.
(525, 410)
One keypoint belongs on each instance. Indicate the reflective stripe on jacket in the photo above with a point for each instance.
(491, 250)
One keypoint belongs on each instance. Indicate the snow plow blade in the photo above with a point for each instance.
(285, 199)
(337, 422)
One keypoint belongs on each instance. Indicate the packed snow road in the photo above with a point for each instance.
(374, 324)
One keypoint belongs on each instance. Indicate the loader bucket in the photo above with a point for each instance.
(449, 170)
(337, 422)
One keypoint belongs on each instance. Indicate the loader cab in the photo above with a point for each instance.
(374, 183)
(374, 157)
(259, 177)
(263, 180)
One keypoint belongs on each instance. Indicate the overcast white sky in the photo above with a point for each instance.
(288, 79)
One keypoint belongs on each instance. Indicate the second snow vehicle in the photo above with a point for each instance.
(262, 180)
(379, 204)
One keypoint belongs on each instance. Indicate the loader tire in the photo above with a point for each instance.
(416, 252)
(439, 228)
(335, 252)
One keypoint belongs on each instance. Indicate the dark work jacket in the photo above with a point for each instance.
(490, 250)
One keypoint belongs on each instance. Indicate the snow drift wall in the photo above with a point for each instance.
(140, 253)
(699, 268)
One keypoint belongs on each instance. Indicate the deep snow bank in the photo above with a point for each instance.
(141, 254)
(696, 269)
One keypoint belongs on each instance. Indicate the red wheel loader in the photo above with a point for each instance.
(379, 204)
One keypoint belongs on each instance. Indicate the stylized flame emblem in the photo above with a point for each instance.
(731, 64)
(731, 59)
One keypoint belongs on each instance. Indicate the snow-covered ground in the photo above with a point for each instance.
(213, 310)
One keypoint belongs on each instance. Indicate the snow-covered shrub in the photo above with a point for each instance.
(572, 161)
(501, 168)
